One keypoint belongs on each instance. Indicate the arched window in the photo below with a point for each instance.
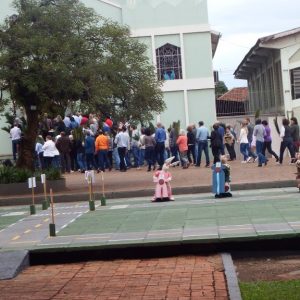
(168, 59)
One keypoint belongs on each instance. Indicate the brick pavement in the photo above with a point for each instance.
(183, 277)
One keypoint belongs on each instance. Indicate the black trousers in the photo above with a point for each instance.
(160, 153)
(216, 153)
(268, 146)
(286, 144)
(122, 153)
(65, 162)
(231, 151)
(191, 150)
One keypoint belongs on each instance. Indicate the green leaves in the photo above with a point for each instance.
(58, 52)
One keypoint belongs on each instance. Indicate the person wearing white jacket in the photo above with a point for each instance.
(244, 143)
(50, 151)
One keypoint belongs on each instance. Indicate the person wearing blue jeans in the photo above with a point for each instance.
(202, 146)
(250, 128)
(244, 149)
(136, 155)
(81, 161)
(244, 143)
(103, 160)
(259, 133)
(89, 147)
(202, 136)
(80, 155)
(261, 158)
(135, 149)
(160, 138)
(116, 158)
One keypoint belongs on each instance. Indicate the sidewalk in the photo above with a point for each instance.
(139, 183)
(183, 277)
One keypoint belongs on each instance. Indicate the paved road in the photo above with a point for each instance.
(249, 214)
(31, 230)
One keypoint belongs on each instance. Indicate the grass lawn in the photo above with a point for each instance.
(271, 290)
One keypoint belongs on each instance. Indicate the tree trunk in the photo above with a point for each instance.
(27, 144)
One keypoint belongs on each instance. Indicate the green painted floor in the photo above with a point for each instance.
(10, 215)
(257, 214)
(249, 215)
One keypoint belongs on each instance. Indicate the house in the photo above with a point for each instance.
(272, 69)
(180, 44)
(233, 103)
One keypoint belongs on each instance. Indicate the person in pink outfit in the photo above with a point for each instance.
(162, 178)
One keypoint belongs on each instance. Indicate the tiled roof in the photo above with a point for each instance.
(239, 94)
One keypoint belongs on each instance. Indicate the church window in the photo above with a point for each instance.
(168, 59)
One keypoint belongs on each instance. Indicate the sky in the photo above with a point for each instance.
(242, 23)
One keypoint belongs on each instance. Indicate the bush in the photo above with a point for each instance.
(13, 174)
(51, 174)
(16, 175)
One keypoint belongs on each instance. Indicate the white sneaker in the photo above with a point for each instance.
(255, 159)
(248, 159)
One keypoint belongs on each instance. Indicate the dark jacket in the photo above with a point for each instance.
(63, 144)
(191, 138)
(79, 146)
(216, 139)
(60, 126)
(295, 132)
(287, 134)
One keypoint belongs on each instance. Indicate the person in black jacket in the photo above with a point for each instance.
(287, 141)
(191, 144)
(216, 143)
(295, 133)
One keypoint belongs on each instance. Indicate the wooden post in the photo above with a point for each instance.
(32, 184)
(52, 230)
(90, 187)
(45, 203)
(32, 189)
(91, 200)
(103, 199)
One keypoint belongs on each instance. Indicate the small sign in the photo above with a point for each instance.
(218, 165)
(31, 182)
(90, 175)
(43, 178)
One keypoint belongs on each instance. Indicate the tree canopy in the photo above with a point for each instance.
(220, 88)
(57, 52)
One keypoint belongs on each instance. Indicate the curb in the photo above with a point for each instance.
(231, 278)
(12, 263)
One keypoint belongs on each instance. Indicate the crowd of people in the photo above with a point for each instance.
(80, 143)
